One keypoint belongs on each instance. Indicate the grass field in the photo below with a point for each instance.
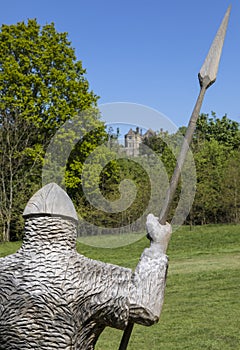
(202, 306)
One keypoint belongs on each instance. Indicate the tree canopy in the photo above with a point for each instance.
(216, 150)
(41, 80)
(42, 85)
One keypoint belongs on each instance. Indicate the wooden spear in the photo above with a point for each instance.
(207, 76)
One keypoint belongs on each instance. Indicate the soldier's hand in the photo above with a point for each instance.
(158, 234)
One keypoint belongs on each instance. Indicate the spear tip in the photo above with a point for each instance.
(208, 72)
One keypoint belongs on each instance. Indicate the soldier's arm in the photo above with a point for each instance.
(149, 279)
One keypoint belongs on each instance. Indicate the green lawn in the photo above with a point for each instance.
(202, 306)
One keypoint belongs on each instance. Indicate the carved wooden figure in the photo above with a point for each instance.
(51, 297)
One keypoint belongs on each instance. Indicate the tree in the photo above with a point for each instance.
(223, 130)
(42, 85)
(215, 145)
(210, 162)
(231, 188)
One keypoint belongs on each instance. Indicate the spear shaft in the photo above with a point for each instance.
(207, 76)
(182, 157)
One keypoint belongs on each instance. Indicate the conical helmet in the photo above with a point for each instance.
(50, 200)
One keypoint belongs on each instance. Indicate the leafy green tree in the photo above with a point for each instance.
(210, 162)
(42, 85)
(215, 141)
(231, 188)
(115, 215)
(215, 147)
(223, 130)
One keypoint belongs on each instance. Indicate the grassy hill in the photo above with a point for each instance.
(202, 306)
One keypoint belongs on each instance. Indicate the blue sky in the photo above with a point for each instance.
(146, 51)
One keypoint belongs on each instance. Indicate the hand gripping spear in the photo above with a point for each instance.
(207, 76)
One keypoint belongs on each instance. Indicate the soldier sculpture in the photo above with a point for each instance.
(51, 297)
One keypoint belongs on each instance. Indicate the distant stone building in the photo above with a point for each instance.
(133, 139)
